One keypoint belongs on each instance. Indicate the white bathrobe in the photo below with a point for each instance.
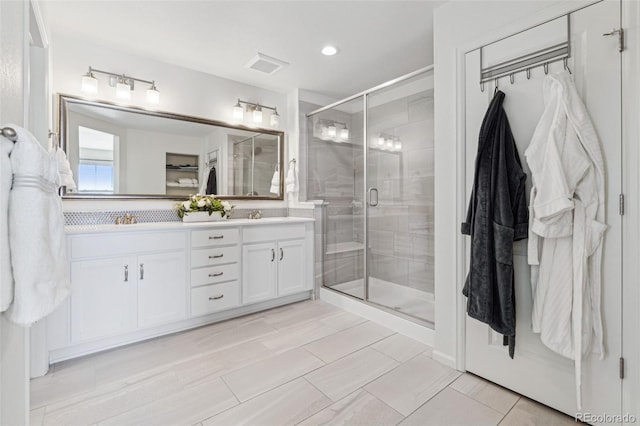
(6, 175)
(566, 225)
(36, 232)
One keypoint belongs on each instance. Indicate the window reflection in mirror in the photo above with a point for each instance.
(97, 168)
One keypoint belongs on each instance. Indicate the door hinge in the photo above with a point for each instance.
(621, 206)
(621, 368)
(620, 33)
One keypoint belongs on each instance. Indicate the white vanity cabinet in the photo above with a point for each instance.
(134, 282)
(113, 294)
(275, 262)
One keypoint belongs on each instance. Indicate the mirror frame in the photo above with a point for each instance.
(63, 101)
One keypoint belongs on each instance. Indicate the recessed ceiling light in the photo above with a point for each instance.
(329, 50)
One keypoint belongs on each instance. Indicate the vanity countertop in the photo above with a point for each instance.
(83, 229)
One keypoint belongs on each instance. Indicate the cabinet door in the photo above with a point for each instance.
(103, 298)
(292, 263)
(259, 272)
(162, 288)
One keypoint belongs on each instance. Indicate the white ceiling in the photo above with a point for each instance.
(377, 40)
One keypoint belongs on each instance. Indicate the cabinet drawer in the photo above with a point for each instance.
(120, 243)
(214, 298)
(214, 256)
(214, 274)
(215, 237)
(256, 234)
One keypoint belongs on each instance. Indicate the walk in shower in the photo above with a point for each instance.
(369, 158)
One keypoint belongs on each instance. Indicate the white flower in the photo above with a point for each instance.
(226, 205)
(193, 197)
(208, 201)
(201, 203)
(187, 205)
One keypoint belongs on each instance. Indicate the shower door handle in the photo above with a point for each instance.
(370, 197)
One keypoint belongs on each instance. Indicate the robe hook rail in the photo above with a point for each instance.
(9, 133)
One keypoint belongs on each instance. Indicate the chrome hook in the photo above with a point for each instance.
(512, 78)
(566, 65)
(528, 73)
(482, 86)
(546, 68)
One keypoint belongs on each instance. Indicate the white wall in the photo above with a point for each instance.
(460, 26)
(182, 91)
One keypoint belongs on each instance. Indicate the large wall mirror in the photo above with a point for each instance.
(123, 152)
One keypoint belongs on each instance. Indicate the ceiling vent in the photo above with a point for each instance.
(266, 64)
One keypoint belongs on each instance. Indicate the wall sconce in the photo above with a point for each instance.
(389, 142)
(123, 84)
(333, 130)
(256, 112)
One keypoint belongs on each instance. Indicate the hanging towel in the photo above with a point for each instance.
(204, 181)
(64, 169)
(36, 232)
(275, 182)
(6, 175)
(566, 226)
(212, 182)
(497, 217)
(292, 178)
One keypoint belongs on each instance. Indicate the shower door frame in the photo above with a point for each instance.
(364, 95)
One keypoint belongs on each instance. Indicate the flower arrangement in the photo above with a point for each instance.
(203, 203)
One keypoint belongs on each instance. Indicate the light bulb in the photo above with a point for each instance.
(89, 84)
(275, 119)
(398, 145)
(329, 50)
(331, 131)
(153, 96)
(238, 112)
(344, 134)
(381, 140)
(257, 115)
(123, 90)
(389, 144)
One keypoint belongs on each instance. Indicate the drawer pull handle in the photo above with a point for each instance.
(216, 297)
(273, 255)
(216, 237)
(281, 253)
(126, 273)
(216, 256)
(217, 274)
(142, 271)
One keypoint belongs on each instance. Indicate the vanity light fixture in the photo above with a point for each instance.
(124, 85)
(381, 140)
(329, 50)
(331, 131)
(344, 134)
(255, 110)
(397, 145)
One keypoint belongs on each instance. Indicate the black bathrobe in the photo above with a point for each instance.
(497, 216)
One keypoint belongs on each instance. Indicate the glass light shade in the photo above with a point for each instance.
(257, 115)
(331, 131)
(275, 120)
(381, 140)
(389, 144)
(344, 134)
(153, 96)
(398, 145)
(89, 84)
(329, 50)
(123, 91)
(238, 112)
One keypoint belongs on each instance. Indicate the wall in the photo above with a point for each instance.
(460, 26)
(182, 91)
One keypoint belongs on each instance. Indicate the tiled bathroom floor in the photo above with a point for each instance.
(309, 363)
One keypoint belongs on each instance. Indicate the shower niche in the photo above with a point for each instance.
(370, 160)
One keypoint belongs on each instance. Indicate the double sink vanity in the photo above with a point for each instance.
(133, 282)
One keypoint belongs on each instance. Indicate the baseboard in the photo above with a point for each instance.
(443, 358)
(408, 328)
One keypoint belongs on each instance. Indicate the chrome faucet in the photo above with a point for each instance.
(128, 219)
(256, 214)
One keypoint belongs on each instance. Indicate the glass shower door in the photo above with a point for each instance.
(336, 175)
(400, 197)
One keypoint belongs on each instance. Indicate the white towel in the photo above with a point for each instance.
(36, 232)
(64, 169)
(205, 179)
(275, 182)
(185, 180)
(292, 178)
(6, 175)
